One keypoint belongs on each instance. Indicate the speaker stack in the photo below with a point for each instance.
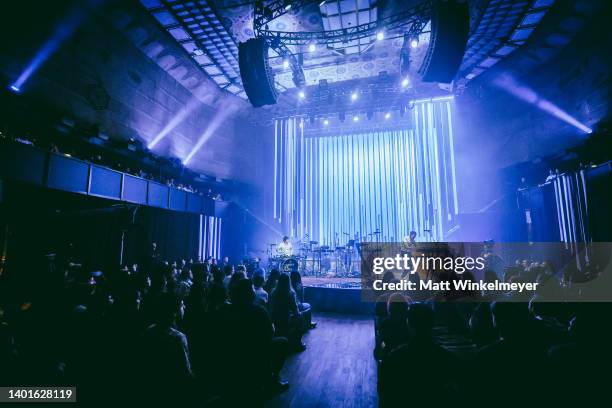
(257, 77)
(450, 26)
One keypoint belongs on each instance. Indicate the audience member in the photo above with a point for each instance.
(261, 296)
(420, 365)
(285, 312)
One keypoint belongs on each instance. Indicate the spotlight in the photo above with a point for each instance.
(285, 63)
(14, 88)
(354, 96)
(302, 95)
(380, 36)
(321, 4)
(414, 43)
(326, 122)
(387, 115)
(523, 92)
(287, 5)
(405, 82)
(312, 47)
(355, 118)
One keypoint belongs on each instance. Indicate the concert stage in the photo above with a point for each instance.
(336, 295)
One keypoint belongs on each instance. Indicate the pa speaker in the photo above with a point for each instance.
(257, 77)
(450, 26)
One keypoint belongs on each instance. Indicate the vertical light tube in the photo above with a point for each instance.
(452, 155)
(200, 257)
(211, 236)
(219, 238)
(275, 162)
(282, 169)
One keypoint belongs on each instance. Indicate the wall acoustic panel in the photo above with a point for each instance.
(158, 195)
(22, 163)
(66, 173)
(194, 202)
(105, 182)
(177, 199)
(221, 209)
(208, 207)
(134, 189)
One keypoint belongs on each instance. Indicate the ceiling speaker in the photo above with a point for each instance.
(257, 77)
(450, 26)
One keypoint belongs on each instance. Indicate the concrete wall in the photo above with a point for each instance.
(121, 71)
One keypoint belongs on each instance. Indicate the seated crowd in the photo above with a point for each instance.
(490, 349)
(186, 334)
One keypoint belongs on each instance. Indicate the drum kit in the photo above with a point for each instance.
(313, 259)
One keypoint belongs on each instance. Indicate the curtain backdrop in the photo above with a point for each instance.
(393, 181)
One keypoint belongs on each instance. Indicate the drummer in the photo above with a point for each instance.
(285, 248)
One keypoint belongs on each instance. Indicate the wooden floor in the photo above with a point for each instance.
(336, 370)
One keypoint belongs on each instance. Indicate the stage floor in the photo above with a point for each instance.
(336, 295)
(336, 283)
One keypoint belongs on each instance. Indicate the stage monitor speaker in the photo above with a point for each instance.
(450, 26)
(257, 77)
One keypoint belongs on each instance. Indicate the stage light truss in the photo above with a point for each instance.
(298, 76)
(265, 12)
(383, 94)
(419, 14)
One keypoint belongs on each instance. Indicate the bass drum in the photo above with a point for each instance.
(290, 265)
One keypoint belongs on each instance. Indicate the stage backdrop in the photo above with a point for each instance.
(329, 188)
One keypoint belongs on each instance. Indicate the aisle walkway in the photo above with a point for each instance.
(337, 369)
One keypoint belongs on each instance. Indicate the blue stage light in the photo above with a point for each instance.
(523, 92)
(14, 88)
(62, 32)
